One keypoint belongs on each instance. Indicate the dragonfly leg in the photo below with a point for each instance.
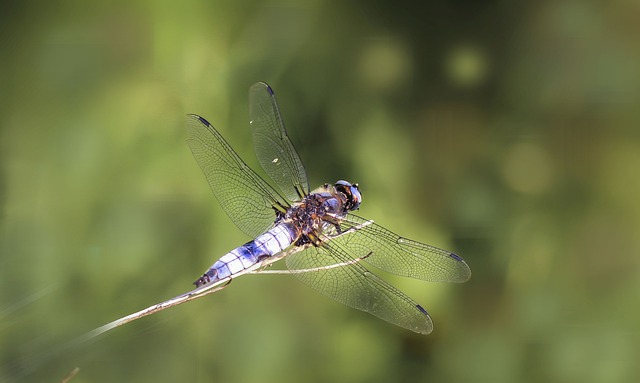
(334, 222)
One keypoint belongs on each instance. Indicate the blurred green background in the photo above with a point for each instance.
(508, 133)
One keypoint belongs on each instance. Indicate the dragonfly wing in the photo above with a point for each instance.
(353, 285)
(274, 149)
(248, 200)
(401, 256)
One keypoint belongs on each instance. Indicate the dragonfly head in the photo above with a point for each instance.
(351, 193)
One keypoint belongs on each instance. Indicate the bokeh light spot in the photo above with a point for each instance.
(466, 66)
(384, 63)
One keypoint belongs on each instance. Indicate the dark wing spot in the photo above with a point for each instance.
(269, 89)
(203, 120)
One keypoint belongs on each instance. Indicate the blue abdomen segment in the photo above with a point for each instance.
(266, 245)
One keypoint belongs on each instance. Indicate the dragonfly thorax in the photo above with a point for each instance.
(321, 209)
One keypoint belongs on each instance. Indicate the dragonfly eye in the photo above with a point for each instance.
(354, 198)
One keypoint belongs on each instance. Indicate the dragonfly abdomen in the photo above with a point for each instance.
(241, 258)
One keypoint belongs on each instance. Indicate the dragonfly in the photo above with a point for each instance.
(322, 241)
(316, 232)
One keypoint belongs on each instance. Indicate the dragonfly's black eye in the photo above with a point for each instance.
(354, 198)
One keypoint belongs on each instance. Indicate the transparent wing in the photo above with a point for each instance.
(274, 150)
(402, 256)
(246, 198)
(354, 286)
